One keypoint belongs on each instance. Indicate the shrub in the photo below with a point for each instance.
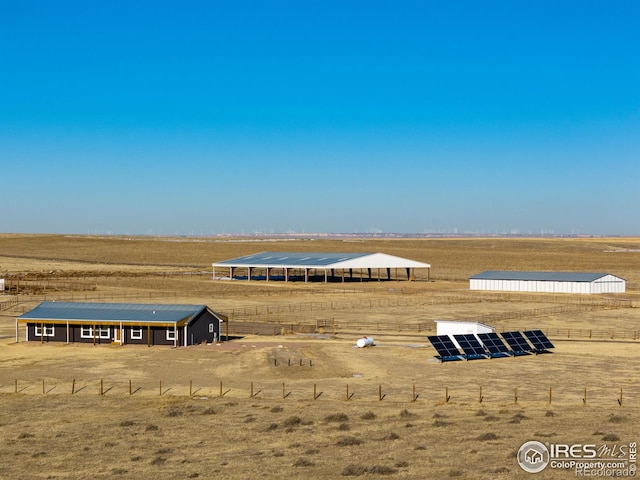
(610, 437)
(292, 421)
(303, 462)
(151, 428)
(349, 441)
(354, 470)
(276, 409)
(383, 470)
(336, 417)
(127, 423)
(488, 436)
(158, 461)
(368, 416)
(208, 411)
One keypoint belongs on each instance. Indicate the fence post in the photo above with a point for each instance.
(584, 398)
(73, 386)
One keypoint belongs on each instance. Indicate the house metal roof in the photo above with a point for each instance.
(114, 312)
(321, 260)
(539, 276)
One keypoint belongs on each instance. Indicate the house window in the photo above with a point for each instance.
(136, 333)
(211, 328)
(171, 334)
(103, 332)
(48, 331)
(86, 331)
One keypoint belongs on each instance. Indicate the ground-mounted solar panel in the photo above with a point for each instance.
(445, 347)
(494, 344)
(517, 342)
(539, 340)
(470, 345)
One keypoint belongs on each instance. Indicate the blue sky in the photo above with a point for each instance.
(320, 116)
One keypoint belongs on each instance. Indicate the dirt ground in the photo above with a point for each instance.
(312, 406)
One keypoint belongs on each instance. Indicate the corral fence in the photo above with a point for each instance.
(278, 312)
(22, 286)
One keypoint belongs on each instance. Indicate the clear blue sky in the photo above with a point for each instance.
(319, 116)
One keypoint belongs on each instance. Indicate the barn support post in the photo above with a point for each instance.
(94, 333)
(286, 274)
(388, 273)
(148, 335)
(249, 274)
(369, 273)
(306, 275)
(175, 335)
(16, 330)
(213, 273)
(42, 333)
(408, 273)
(267, 275)
(325, 275)
(67, 331)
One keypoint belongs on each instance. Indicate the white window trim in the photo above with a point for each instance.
(48, 330)
(171, 334)
(136, 333)
(103, 332)
(86, 328)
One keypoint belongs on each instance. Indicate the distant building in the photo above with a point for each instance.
(456, 327)
(305, 266)
(1, 285)
(121, 323)
(551, 282)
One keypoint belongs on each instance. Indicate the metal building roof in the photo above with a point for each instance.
(110, 312)
(321, 260)
(539, 276)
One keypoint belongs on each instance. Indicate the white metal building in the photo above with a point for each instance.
(551, 282)
(323, 266)
(455, 327)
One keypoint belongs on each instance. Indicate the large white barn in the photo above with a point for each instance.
(552, 282)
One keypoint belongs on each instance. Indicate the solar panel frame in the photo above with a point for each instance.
(444, 346)
(517, 341)
(470, 345)
(493, 343)
(538, 339)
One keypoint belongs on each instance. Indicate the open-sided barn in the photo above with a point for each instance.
(305, 265)
(121, 323)
(553, 282)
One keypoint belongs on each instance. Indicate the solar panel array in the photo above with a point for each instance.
(490, 345)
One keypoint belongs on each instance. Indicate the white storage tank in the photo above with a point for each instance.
(364, 342)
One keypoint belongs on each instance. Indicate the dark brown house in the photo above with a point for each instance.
(121, 323)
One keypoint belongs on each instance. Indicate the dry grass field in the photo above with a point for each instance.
(311, 405)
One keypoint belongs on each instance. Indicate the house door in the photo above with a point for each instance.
(117, 332)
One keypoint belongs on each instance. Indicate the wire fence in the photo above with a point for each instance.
(437, 394)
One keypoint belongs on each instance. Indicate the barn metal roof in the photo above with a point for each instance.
(110, 312)
(321, 260)
(539, 276)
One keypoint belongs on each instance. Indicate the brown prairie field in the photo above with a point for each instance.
(310, 405)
